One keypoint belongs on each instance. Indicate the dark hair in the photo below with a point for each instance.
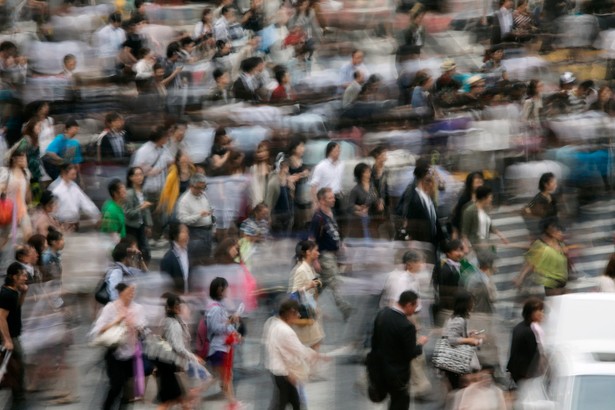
(411, 256)
(120, 252)
(112, 116)
(115, 17)
(288, 306)
(71, 122)
(129, 174)
(47, 197)
(218, 135)
(294, 144)
(221, 254)
(206, 11)
(172, 49)
(224, 10)
(529, 307)
(172, 302)
(186, 40)
(13, 270)
(220, 44)
(462, 303)
(355, 51)
(407, 297)
(421, 77)
(544, 180)
(483, 192)
(120, 287)
(21, 251)
(157, 66)
(467, 188)
(158, 133)
(257, 208)
(53, 235)
(218, 73)
(216, 288)
(114, 186)
(7, 45)
(302, 248)
(452, 245)
(610, 267)
(174, 230)
(356, 74)
(377, 151)
(587, 84)
(532, 88)
(143, 53)
(359, 169)
(421, 171)
(279, 72)
(37, 242)
(29, 130)
(68, 57)
(65, 168)
(330, 147)
(551, 223)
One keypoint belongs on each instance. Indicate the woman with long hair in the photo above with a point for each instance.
(137, 211)
(303, 279)
(177, 182)
(260, 173)
(298, 179)
(15, 183)
(533, 105)
(456, 329)
(363, 202)
(543, 206)
(473, 181)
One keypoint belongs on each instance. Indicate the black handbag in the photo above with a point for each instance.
(306, 310)
(102, 292)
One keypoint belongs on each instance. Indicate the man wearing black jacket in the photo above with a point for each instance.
(394, 345)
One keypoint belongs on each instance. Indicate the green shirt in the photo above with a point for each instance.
(113, 218)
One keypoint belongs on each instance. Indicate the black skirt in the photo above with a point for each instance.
(169, 386)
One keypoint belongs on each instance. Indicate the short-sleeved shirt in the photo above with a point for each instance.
(9, 301)
(67, 149)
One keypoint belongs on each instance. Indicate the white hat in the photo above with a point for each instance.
(567, 78)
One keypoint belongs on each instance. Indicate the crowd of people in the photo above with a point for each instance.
(157, 199)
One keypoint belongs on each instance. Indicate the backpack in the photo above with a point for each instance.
(101, 293)
(202, 341)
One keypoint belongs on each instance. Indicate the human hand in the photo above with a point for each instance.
(422, 340)
(23, 288)
(8, 344)
(518, 282)
(205, 213)
(145, 205)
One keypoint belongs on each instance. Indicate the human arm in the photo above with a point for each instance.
(113, 279)
(174, 335)
(171, 76)
(186, 212)
(86, 205)
(527, 268)
(4, 330)
(455, 332)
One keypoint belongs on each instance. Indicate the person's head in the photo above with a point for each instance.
(306, 250)
(70, 62)
(326, 198)
(38, 242)
(48, 201)
(207, 15)
(182, 160)
(552, 229)
(187, 43)
(289, 310)
(454, 250)
(605, 93)
(114, 121)
(120, 252)
(260, 211)
(224, 47)
(585, 87)
(217, 289)
(357, 57)
(126, 292)
(413, 261)
(508, 4)
(68, 172)
(71, 128)
(296, 147)
(423, 175)
(533, 310)
(172, 306)
(379, 154)
(486, 261)
(534, 88)
(140, 5)
(18, 159)
(159, 136)
(115, 19)
(8, 49)
(448, 67)
(146, 54)
(227, 250)
(117, 190)
(263, 152)
(484, 195)
(473, 181)
(408, 301)
(227, 12)
(610, 267)
(477, 85)
(179, 234)
(198, 184)
(547, 182)
(221, 78)
(463, 303)
(333, 151)
(567, 81)
(417, 12)
(362, 172)
(496, 53)
(134, 177)
(173, 51)
(26, 254)
(423, 79)
(522, 6)
(358, 76)
(281, 75)
(55, 239)
(221, 138)
(32, 129)
(16, 275)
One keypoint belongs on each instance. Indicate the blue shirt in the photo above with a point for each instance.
(67, 149)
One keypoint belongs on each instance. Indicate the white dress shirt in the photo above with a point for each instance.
(189, 208)
(396, 283)
(109, 40)
(221, 29)
(285, 353)
(328, 174)
(149, 156)
(72, 201)
(506, 21)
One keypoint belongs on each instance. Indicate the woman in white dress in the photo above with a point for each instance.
(303, 279)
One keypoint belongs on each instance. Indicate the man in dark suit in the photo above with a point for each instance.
(244, 88)
(175, 262)
(419, 212)
(394, 345)
(111, 144)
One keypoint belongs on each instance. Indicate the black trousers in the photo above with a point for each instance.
(397, 387)
(284, 393)
(142, 243)
(119, 372)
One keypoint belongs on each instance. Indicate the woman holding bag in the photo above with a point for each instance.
(456, 330)
(304, 279)
(119, 359)
(176, 333)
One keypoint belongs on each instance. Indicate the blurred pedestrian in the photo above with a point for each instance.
(543, 206)
(260, 172)
(483, 393)
(63, 149)
(279, 199)
(113, 218)
(299, 177)
(42, 217)
(481, 284)
(476, 224)
(194, 211)
(348, 69)
(468, 195)
(137, 211)
(325, 232)
(447, 277)
(456, 330)
(119, 271)
(303, 279)
(15, 183)
(351, 93)
(394, 345)
(363, 204)
(526, 349)
(119, 360)
(110, 144)
(71, 200)
(12, 295)
(329, 173)
(175, 261)
(177, 182)
(532, 112)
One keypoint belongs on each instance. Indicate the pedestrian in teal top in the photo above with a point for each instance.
(113, 219)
